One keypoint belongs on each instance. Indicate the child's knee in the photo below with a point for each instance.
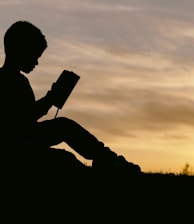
(65, 122)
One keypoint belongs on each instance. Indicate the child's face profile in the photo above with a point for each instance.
(29, 60)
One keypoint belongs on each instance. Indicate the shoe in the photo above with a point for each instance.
(115, 165)
(124, 167)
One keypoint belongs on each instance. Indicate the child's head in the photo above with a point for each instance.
(23, 41)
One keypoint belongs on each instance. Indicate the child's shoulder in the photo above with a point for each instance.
(15, 79)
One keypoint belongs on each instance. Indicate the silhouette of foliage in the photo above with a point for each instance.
(187, 170)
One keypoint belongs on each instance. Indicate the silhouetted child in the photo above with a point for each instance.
(24, 44)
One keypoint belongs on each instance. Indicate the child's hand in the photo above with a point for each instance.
(50, 94)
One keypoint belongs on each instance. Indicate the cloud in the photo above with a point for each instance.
(127, 91)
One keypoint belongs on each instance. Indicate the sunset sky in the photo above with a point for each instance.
(136, 63)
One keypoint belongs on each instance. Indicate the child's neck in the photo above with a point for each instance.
(10, 67)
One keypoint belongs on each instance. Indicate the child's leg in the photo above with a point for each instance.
(55, 131)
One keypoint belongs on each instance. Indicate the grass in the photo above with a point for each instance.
(186, 170)
(53, 190)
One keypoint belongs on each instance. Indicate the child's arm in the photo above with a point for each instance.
(43, 105)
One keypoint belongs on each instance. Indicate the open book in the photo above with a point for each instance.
(63, 87)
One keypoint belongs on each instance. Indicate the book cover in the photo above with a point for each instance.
(63, 87)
